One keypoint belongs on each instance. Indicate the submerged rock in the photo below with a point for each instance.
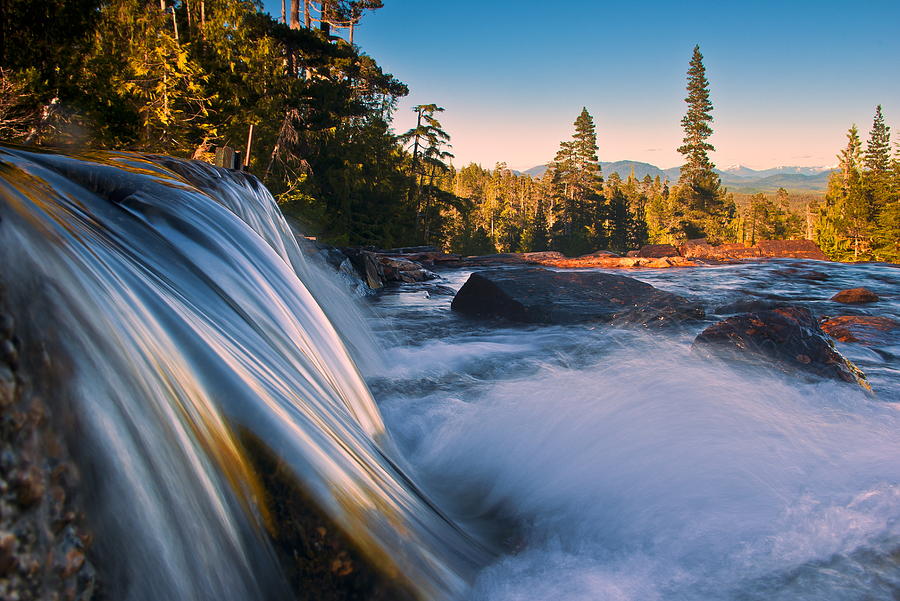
(788, 338)
(534, 295)
(855, 295)
(864, 329)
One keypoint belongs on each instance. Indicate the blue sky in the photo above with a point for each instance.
(787, 78)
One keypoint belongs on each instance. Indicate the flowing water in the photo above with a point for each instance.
(637, 470)
(599, 463)
(193, 326)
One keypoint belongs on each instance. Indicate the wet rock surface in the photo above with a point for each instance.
(788, 338)
(863, 329)
(319, 559)
(855, 295)
(44, 539)
(534, 295)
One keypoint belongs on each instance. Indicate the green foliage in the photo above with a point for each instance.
(860, 218)
(577, 204)
(765, 219)
(181, 77)
(696, 123)
(878, 150)
(704, 206)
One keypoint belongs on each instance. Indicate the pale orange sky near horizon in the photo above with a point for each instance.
(787, 79)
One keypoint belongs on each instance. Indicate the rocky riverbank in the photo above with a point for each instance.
(379, 267)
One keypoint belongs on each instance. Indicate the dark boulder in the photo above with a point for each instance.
(788, 338)
(535, 295)
(396, 269)
(855, 295)
(367, 266)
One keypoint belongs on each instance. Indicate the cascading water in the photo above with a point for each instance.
(638, 470)
(182, 302)
(617, 464)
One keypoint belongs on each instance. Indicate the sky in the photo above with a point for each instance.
(787, 78)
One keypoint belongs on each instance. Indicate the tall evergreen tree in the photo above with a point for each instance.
(577, 182)
(845, 221)
(696, 124)
(704, 203)
(878, 149)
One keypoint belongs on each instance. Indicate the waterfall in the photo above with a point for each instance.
(205, 356)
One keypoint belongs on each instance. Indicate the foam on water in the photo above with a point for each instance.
(652, 474)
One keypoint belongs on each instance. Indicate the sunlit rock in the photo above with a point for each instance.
(855, 295)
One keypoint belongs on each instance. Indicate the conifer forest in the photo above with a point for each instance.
(312, 114)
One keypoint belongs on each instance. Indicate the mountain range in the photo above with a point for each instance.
(737, 178)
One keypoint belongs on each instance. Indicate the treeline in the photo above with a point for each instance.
(573, 209)
(860, 218)
(183, 76)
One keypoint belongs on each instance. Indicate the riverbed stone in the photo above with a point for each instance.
(871, 330)
(855, 295)
(535, 295)
(656, 251)
(787, 338)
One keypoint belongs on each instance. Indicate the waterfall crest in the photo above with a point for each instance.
(197, 342)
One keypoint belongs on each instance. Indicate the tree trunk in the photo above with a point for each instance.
(307, 13)
(283, 12)
(295, 14)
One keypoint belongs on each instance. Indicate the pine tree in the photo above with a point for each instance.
(878, 149)
(850, 158)
(845, 222)
(700, 194)
(696, 123)
(577, 183)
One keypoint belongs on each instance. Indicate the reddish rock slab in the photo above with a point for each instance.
(600, 253)
(605, 262)
(869, 330)
(791, 249)
(657, 251)
(855, 296)
(786, 338)
(531, 258)
(722, 252)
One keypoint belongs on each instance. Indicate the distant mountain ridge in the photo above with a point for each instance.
(737, 178)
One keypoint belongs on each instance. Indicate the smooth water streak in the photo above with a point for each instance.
(182, 299)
